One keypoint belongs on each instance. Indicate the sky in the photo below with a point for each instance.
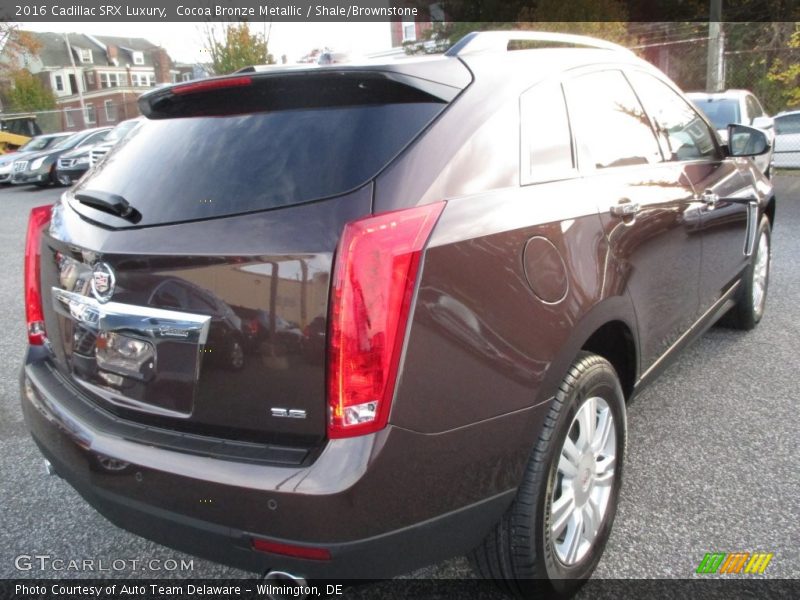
(184, 41)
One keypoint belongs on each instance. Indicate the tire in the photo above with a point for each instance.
(749, 307)
(523, 554)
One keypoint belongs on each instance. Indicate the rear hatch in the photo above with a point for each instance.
(186, 279)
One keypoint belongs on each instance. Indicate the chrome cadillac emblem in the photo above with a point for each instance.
(103, 282)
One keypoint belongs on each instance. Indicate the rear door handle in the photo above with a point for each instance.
(625, 208)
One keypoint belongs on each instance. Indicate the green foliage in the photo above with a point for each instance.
(27, 93)
(763, 57)
(602, 19)
(785, 73)
(238, 48)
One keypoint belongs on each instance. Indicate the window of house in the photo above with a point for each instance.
(89, 114)
(90, 78)
(69, 118)
(186, 77)
(110, 80)
(142, 79)
(138, 58)
(85, 55)
(681, 131)
(409, 31)
(111, 111)
(545, 135)
(611, 127)
(59, 83)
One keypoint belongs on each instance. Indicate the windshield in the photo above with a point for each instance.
(68, 142)
(38, 143)
(720, 112)
(121, 130)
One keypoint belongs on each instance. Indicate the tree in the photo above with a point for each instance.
(238, 48)
(15, 45)
(786, 73)
(760, 57)
(603, 19)
(27, 93)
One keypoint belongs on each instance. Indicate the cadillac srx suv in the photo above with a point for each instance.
(345, 321)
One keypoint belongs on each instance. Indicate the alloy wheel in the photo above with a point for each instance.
(760, 273)
(584, 480)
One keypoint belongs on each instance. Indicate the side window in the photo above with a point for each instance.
(753, 108)
(788, 124)
(546, 143)
(682, 132)
(611, 127)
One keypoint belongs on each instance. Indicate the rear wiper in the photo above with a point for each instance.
(109, 203)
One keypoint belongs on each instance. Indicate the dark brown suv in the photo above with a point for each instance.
(345, 321)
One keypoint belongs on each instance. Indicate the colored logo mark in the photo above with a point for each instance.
(734, 562)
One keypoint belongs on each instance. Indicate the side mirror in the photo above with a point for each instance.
(746, 141)
(763, 122)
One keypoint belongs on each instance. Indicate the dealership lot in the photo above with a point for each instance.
(711, 462)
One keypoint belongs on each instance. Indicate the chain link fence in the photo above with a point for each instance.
(94, 113)
(762, 58)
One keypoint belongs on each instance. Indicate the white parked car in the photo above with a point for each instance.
(741, 107)
(787, 140)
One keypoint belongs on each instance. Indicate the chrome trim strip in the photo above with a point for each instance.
(156, 323)
(691, 330)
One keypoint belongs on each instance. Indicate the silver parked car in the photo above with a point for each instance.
(787, 140)
(739, 107)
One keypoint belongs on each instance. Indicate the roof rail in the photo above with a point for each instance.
(480, 42)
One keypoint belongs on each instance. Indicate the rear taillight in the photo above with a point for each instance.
(373, 284)
(209, 85)
(38, 220)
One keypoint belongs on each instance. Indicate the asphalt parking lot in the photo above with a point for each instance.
(711, 463)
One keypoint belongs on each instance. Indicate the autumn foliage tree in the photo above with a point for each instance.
(15, 44)
(786, 72)
(27, 93)
(235, 48)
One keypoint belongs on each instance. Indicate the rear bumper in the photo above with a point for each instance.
(381, 505)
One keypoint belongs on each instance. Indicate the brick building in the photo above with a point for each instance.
(110, 73)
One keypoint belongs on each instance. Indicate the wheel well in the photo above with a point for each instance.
(614, 342)
(770, 212)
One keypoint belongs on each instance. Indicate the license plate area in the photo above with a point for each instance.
(136, 357)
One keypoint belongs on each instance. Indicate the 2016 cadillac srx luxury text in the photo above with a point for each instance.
(346, 321)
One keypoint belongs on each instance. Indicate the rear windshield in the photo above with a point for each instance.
(720, 112)
(181, 169)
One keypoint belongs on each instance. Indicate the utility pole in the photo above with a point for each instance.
(715, 70)
(78, 80)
